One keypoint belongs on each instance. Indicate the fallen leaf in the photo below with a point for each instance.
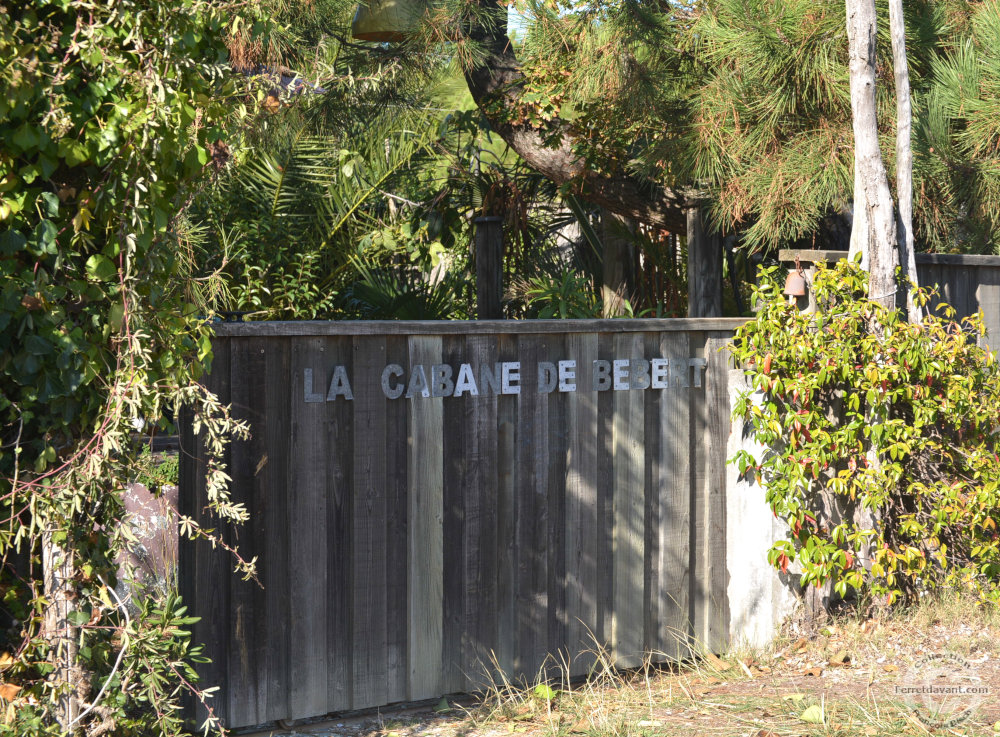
(6, 660)
(801, 644)
(718, 663)
(812, 715)
(796, 697)
(442, 706)
(890, 668)
(8, 691)
(765, 733)
(841, 658)
(581, 727)
(817, 671)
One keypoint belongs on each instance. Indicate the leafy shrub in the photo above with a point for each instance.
(856, 406)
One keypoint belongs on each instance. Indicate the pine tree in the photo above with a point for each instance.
(745, 105)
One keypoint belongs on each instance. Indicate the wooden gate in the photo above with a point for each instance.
(432, 501)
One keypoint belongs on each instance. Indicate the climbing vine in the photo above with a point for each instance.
(111, 111)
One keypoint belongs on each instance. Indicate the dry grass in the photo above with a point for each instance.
(834, 679)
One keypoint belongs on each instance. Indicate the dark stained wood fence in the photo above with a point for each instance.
(408, 547)
(968, 283)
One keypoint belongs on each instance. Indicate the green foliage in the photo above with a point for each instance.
(855, 406)
(156, 471)
(110, 111)
(568, 295)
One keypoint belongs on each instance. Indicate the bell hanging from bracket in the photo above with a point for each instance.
(387, 20)
(795, 282)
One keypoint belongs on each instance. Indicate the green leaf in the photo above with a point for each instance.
(100, 268)
(545, 691)
(813, 714)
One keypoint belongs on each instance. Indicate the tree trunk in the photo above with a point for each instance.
(904, 154)
(495, 81)
(878, 238)
(618, 283)
(59, 633)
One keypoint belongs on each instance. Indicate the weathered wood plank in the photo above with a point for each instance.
(369, 542)
(557, 445)
(674, 508)
(651, 504)
(699, 443)
(719, 426)
(307, 533)
(247, 376)
(603, 587)
(341, 626)
(628, 506)
(480, 327)
(425, 535)
(949, 259)
(454, 443)
(396, 443)
(582, 550)
(507, 502)
(532, 511)
(988, 296)
(273, 478)
(480, 531)
(213, 567)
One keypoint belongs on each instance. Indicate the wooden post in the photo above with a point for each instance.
(489, 267)
(704, 268)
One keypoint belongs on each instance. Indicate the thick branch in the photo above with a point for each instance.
(495, 83)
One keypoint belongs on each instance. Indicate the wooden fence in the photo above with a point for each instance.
(968, 283)
(413, 534)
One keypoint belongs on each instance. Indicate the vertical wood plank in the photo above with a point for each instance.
(582, 538)
(651, 504)
(603, 587)
(532, 510)
(628, 512)
(274, 559)
(339, 444)
(557, 446)
(368, 549)
(700, 443)
(247, 656)
(211, 566)
(396, 444)
(455, 442)
(715, 386)
(674, 515)
(988, 296)
(507, 503)
(480, 532)
(425, 535)
(307, 530)
(247, 383)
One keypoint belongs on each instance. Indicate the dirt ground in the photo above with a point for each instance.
(885, 676)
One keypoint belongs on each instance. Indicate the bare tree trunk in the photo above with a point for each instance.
(880, 238)
(618, 284)
(859, 225)
(57, 570)
(904, 153)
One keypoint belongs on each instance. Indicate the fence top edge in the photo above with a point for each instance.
(474, 327)
(954, 259)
